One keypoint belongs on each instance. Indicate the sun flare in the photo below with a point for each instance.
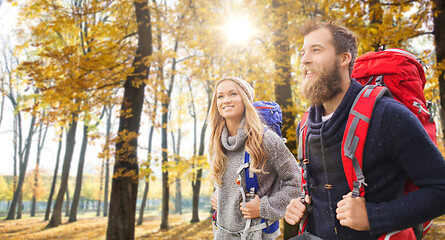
(238, 30)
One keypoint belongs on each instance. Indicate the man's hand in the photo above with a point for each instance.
(295, 210)
(252, 209)
(214, 201)
(352, 213)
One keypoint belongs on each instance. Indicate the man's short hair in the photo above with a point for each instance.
(344, 40)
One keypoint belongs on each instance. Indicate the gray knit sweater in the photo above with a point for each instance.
(276, 189)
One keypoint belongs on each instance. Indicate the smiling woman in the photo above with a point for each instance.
(238, 30)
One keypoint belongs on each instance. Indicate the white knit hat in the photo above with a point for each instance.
(245, 86)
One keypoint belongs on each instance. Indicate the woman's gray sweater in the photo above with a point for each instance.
(276, 189)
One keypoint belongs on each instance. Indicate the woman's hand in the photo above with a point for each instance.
(214, 201)
(252, 209)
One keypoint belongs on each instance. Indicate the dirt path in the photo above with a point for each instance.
(95, 228)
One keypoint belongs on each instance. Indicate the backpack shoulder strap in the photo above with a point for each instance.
(252, 187)
(250, 177)
(355, 134)
(302, 151)
(302, 136)
(303, 163)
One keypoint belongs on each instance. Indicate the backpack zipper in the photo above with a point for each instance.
(421, 109)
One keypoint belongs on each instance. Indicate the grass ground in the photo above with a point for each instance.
(89, 227)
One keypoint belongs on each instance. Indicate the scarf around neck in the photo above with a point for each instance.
(233, 143)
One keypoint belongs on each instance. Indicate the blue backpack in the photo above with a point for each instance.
(271, 115)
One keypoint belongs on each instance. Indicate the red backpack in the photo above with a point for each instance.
(395, 72)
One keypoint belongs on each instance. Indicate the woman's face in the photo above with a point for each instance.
(229, 101)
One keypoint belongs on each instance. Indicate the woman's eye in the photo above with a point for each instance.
(219, 97)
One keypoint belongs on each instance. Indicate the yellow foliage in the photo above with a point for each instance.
(77, 52)
(6, 190)
(30, 189)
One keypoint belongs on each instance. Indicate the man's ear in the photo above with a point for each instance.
(346, 59)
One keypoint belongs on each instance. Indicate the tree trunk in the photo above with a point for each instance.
(102, 169)
(283, 87)
(165, 185)
(22, 172)
(20, 206)
(126, 170)
(107, 184)
(67, 202)
(40, 143)
(196, 183)
(77, 190)
(178, 196)
(178, 192)
(144, 201)
(147, 178)
(15, 141)
(34, 200)
(196, 186)
(107, 162)
(82, 203)
(439, 37)
(164, 141)
(56, 218)
(53, 185)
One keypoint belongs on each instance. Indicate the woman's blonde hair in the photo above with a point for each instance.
(253, 127)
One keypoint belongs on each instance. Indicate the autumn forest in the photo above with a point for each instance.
(112, 98)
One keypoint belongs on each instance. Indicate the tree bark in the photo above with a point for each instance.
(196, 182)
(102, 169)
(78, 188)
(439, 38)
(164, 141)
(165, 185)
(178, 192)
(67, 202)
(40, 143)
(121, 221)
(56, 218)
(53, 185)
(22, 173)
(283, 87)
(107, 162)
(147, 178)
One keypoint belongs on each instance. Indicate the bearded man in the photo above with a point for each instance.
(397, 147)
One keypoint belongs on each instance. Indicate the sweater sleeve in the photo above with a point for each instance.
(282, 162)
(410, 148)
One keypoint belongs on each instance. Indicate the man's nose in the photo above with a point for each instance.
(306, 59)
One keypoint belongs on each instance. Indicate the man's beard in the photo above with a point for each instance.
(323, 89)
